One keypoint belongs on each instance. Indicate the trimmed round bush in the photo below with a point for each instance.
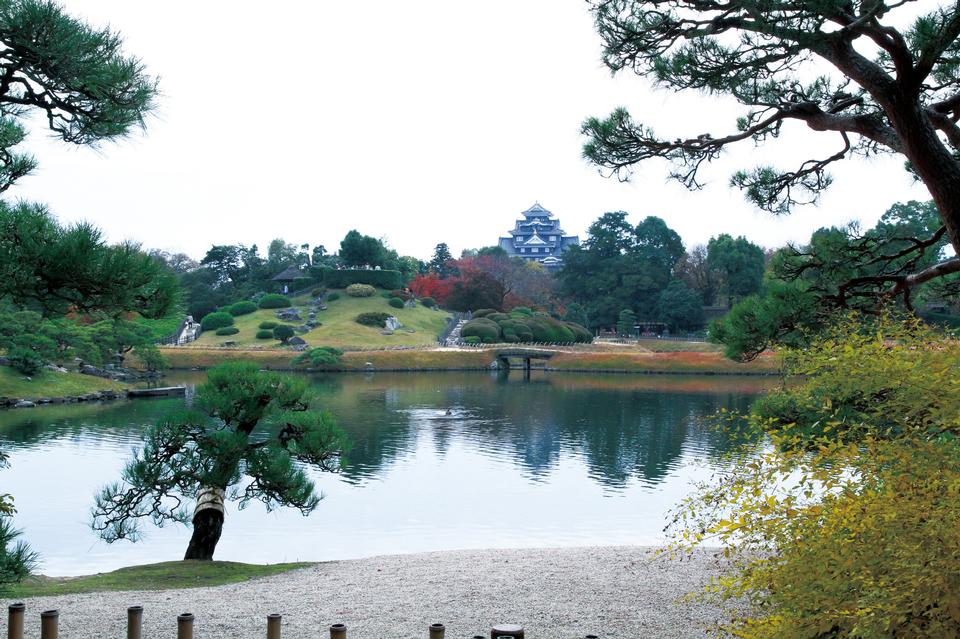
(361, 290)
(396, 302)
(25, 360)
(265, 334)
(215, 320)
(429, 302)
(228, 330)
(473, 339)
(372, 319)
(486, 330)
(332, 297)
(273, 300)
(283, 332)
(321, 356)
(483, 312)
(241, 308)
(521, 310)
(497, 317)
(580, 334)
(268, 325)
(386, 295)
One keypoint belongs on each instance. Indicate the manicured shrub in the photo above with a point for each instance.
(396, 302)
(268, 325)
(241, 308)
(333, 278)
(497, 317)
(472, 339)
(372, 319)
(228, 330)
(283, 332)
(274, 300)
(265, 334)
(302, 283)
(486, 330)
(25, 360)
(215, 320)
(317, 357)
(428, 302)
(580, 334)
(521, 310)
(318, 292)
(483, 312)
(361, 290)
(401, 294)
(333, 297)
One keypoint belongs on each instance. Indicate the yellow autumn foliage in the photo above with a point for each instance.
(846, 522)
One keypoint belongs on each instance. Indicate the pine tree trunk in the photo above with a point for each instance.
(207, 524)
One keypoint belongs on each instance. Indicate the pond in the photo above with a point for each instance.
(556, 460)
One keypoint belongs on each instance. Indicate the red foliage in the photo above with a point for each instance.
(431, 285)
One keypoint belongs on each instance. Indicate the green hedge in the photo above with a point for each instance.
(301, 283)
(483, 312)
(395, 302)
(265, 334)
(321, 356)
(361, 290)
(333, 297)
(429, 302)
(228, 330)
(333, 278)
(372, 319)
(268, 325)
(273, 300)
(241, 308)
(215, 320)
(523, 327)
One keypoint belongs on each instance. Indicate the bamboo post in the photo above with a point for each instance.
(15, 621)
(273, 626)
(185, 626)
(338, 631)
(49, 624)
(134, 622)
(436, 631)
(506, 630)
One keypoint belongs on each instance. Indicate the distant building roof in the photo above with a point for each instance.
(537, 211)
(535, 239)
(288, 275)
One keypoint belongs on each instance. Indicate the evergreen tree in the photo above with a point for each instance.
(626, 322)
(211, 454)
(440, 263)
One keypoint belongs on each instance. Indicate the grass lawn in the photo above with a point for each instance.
(338, 326)
(162, 576)
(679, 346)
(52, 384)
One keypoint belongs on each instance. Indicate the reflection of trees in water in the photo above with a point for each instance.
(621, 435)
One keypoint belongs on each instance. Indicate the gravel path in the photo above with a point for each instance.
(554, 593)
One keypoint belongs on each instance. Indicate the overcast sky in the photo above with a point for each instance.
(420, 122)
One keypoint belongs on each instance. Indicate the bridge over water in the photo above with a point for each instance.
(504, 355)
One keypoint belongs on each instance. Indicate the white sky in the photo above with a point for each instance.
(421, 122)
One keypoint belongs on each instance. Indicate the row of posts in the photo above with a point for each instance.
(50, 626)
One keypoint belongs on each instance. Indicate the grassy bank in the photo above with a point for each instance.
(631, 361)
(52, 384)
(338, 327)
(162, 576)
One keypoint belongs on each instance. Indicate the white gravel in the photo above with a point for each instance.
(554, 593)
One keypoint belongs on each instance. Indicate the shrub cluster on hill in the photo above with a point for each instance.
(428, 302)
(268, 325)
(241, 308)
(317, 357)
(361, 290)
(274, 300)
(283, 332)
(333, 297)
(372, 319)
(215, 320)
(522, 325)
(228, 330)
(265, 334)
(395, 302)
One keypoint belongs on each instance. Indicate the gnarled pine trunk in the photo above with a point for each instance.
(207, 524)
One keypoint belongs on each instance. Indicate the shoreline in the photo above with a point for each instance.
(609, 591)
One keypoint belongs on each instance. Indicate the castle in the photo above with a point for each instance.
(538, 237)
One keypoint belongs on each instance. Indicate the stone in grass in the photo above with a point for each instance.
(24, 403)
(296, 341)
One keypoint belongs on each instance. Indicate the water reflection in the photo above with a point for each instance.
(438, 461)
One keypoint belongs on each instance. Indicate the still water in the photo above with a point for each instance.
(557, 460)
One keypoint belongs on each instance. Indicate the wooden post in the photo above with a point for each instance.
(134, 622)
(338, 631)
(273, 626)
(49, 624)
(506, 630)
(436, 631)
(15, 621)
(185, 626)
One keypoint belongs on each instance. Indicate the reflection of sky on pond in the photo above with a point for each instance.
(564, 461)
